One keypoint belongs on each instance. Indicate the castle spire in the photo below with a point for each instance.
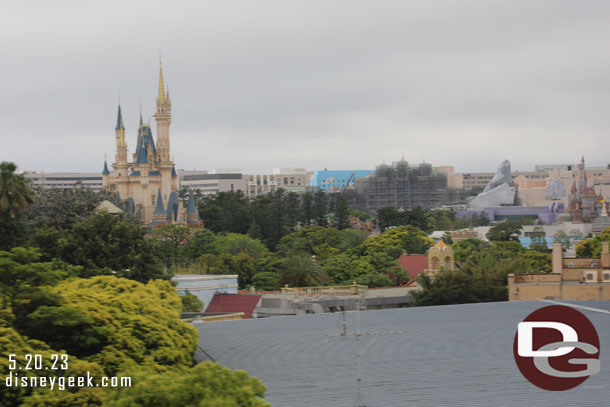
(119, 120)
(192, 214)
(159, 215)
(105, 171)
(161, 94)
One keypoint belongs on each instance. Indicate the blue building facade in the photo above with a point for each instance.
(335, 181)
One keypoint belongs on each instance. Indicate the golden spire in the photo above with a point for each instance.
(161, 95)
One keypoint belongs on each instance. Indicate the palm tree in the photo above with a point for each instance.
(15, 194)
(300, 271)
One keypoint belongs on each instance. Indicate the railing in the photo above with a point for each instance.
(226, 316)
(353, 289)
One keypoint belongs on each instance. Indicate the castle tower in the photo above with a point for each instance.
(121, 146)
(163, 116)
(192, 214)
(120, 164)
(105, 176)
(582, 180)
(159, 215)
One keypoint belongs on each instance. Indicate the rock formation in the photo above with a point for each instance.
(555, 190)
(499, 191)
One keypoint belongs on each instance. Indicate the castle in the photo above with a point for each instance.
(585, 205)
(149, 183)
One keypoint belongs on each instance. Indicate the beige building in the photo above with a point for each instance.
(571, 279)
(454, 181)
(290, 179)
(463, 234)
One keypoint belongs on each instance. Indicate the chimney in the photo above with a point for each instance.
(605, 255)
(557, 258)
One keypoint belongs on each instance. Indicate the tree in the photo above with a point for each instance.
(320, 208)
(591, 248)
(300, 271)
(307, 212)
(341, 212)
(447, 238)
(13, 231)
(351, 238)
(277, 222)
(61, 208)
(505, 231)
(538, 236)
(563, 238)
(15, 194)
(105, 243)
(190, 303)
(241, 264)
(361, 215)
(15, 197)
(200, 242)
(205, 385)
(142, 322)
(170, 240)
(585, 248)
(388, 216)
(340, 269)
(24, 282)
(11, 342)
(226, 212)
(461, 286)
(463, 249)
(311, 241)
(292, 211)
(254, 231)
(266, 281)
(401, 239)
(234, 243)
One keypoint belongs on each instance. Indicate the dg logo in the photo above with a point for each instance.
(556, 348)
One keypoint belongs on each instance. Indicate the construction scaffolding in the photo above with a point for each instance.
(402, 186)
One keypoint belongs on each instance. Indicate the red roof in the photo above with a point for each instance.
(245, 303)
(415, 264)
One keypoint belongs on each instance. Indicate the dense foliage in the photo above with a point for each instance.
(482, 275)
(205, 385)
(592, 248)
(109, 326)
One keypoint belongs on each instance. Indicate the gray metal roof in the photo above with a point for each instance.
(456, 355)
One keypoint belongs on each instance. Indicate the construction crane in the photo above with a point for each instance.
(347, 183)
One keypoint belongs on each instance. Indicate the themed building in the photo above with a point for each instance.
(148, 182)
(585, 205)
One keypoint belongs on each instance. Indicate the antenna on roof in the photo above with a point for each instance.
(359, 396)
(342, 333)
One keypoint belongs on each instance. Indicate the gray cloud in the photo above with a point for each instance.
(316, 84)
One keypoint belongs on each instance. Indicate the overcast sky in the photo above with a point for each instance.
(318, 84)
